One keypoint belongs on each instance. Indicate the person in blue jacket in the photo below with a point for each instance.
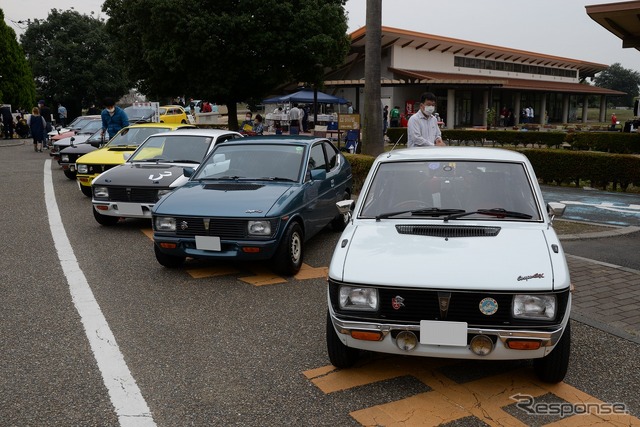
(113, 118)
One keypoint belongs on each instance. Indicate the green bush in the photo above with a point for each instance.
(395, 134)
(360, 165)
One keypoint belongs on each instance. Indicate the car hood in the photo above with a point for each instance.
(517, 258)
(224, 198)
(77, 139)
(106, 156)
(144, 175)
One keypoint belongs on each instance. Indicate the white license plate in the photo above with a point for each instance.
(208, 243)
(443, 333)
(129, 209)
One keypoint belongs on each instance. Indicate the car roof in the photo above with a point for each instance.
(171, 106)
(305, 140)
(200, 132)
(452, 153)
(158, 125)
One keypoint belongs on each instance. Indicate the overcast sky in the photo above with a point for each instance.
(554, 27)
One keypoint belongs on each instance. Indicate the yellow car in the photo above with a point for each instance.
(113, 153)
(173, 114)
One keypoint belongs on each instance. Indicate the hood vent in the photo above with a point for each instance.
(448, 230)
(233, 186)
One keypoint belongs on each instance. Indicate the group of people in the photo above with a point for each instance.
(251, 126)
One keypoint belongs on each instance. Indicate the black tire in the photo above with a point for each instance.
(69, 174)
(168, 261)
(85, 190)
(105, 220)
(288, 256)
(339, 223)
(340, 355)
(553, 367)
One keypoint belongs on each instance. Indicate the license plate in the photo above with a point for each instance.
(129, 209)
(208, 243)
(443, 333)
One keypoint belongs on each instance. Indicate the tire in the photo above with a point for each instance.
(288, 256)
(85, 190)
(105, 220)
(340, 355)
(553, 367)
(339, 223)
(69, 174)
(168, 261)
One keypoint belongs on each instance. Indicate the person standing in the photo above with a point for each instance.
(113, 118)
(93, 110)
(395, 117)
(349, 108)
(423, 130)
(62, 115)
(7, 121)
(295, 118)
(385, 118)
(45, 112)
(37, 126)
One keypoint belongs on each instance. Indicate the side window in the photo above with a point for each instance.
(316, 159)
(332, 155)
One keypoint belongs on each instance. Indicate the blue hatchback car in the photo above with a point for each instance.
(254, 199)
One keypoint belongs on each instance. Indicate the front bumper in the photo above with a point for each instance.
(547, 337)
(230, 249)
(86, 179)
(123, 209)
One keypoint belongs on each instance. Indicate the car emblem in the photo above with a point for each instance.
(253, 211)
(443, 302)
(397, 302)
(532, 276)
(184, 225)
(488, 306)
(206, 223)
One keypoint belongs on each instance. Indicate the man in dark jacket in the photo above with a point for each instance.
(46, 113)
(7, 121)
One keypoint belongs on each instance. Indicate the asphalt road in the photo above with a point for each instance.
(220, 350)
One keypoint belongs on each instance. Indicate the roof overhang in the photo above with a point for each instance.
(622, 19)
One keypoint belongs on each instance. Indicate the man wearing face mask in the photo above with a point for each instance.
(113, 118)
(423, 130)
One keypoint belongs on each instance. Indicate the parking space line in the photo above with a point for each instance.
(126, 397)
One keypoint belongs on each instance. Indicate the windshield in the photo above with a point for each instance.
(282, 162)
(138, 113)
(80, 123)
(134, 136)
(173, 148)
(438, 189)
(91, 126)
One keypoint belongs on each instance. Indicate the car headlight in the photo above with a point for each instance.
(259, 228)
(101, 192)
(541, 307)
(357, 298)
(64, 158)
(82, 168)
(162, 193)
(165, 223)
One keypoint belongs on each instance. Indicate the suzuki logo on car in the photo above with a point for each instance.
(397, 302)
(184, 225)
(160, 176)
(443, 302)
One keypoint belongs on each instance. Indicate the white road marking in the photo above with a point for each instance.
(130, 406)
(633, 209)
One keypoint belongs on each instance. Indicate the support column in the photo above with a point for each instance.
(516, 108)
(565, 108)
(485, 106)
(603, 108)
(585, 108)
(451, 109)
(543, 109)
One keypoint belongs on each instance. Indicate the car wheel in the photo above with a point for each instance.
(184, 122)
(288, 257)
(169, 261)
(105, 220)
(339, 223)
(85, 190)
(553, 367)
(69, 174)
(340, 355)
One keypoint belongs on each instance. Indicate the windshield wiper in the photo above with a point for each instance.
(422, 212)
(275, 178)
(180, 161)
(497, 212)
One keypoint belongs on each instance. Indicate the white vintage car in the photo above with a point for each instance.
(450, 252)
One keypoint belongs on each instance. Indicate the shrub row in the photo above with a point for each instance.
(609, 142)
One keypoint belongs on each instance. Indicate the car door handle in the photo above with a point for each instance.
(333, 183)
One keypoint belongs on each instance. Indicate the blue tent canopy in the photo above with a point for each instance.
(305, 96)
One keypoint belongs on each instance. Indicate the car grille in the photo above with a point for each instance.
(225, 228)
(135, 195)
(95, 169)
(423, 304)
(448, 230)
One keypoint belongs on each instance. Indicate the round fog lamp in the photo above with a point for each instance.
(481, 345)
(406, 340)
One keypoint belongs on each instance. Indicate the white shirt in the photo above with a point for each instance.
(422, 131)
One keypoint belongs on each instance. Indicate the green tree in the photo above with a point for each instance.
(72, 60)
(227, 51)
(16, 81)
(618, 78)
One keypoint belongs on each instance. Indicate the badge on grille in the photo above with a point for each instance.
(397, 302)
(488, 306)
(184, 225)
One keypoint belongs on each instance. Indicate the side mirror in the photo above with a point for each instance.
(188, 172)
(555, 208)
(344, 206)
(318, 174)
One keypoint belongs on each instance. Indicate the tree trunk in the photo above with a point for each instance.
(373, 139)
(232, 108)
